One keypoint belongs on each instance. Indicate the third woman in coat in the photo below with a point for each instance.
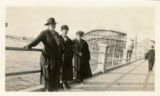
(81, 57)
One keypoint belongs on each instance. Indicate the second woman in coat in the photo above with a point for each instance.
(67, 70)
(81, 57)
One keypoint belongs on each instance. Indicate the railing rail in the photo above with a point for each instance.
(38, 50)
(26, 72)
(22, 72)
(22, 49)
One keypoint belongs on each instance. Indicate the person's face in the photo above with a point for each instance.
(64, 32)
(51, 26)
(78, 37)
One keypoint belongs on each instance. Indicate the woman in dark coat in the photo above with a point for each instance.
(67, 69)
(51, 57)
(81, 57)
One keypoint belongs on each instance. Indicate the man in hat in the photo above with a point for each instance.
(51, 57)
(150, 56)
(81, 57)
(67, 70)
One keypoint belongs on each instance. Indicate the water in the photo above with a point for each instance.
(17, 61)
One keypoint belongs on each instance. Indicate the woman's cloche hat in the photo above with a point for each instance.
(81, 33)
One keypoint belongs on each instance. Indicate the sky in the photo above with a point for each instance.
(134, 21)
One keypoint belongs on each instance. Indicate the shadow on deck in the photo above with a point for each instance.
(130, 77)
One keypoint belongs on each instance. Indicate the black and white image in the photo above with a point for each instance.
(76, 49)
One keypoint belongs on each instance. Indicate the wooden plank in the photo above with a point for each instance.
(41, 87)
(22, 73)
(22, 49)
(34, 89)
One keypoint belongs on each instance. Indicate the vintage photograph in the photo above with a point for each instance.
(77, 49)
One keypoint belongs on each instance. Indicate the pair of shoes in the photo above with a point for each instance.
(51, 90)
(66, 86)
(77, 81)
(84, 82)
(149, 71)
(60, 86)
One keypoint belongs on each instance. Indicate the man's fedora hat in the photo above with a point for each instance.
(50, 21)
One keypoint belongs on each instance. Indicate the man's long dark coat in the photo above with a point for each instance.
(150, 55)
(67, 69)
(82, 67)
(50, 59)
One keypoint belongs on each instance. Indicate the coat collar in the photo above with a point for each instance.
(55, 32)
(66, 37)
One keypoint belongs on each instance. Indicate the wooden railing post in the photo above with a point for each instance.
(119, 59)
(124, 60)
(133, 55)
(101, 58)
(112, 59)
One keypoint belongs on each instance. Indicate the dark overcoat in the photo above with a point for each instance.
(150, 55)
(81, 63)
(51, 58)
(67, 69)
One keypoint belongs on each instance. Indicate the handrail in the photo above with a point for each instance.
(22, 49)
(38, 71)
(21, 73)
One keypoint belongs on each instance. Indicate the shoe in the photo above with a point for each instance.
(64, 86)
(77, 81)
(149, 71)
(67, 85)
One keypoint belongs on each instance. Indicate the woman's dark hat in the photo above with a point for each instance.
(81, 33)
(51, 21)
(64, 27)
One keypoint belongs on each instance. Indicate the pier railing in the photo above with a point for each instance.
(22, 49)
(104, 62)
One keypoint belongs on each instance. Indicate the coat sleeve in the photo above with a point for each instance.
(61, 51)
(74, 49)
(62, 47)
(37, 40)
(71, 47)
(146, 55)
(87, 51)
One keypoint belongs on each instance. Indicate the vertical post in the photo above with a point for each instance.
(133, 55)
(119, 59)
(124, 60)
(101, 59)
(113, 57)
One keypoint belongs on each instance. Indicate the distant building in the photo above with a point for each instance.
(116, 41)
